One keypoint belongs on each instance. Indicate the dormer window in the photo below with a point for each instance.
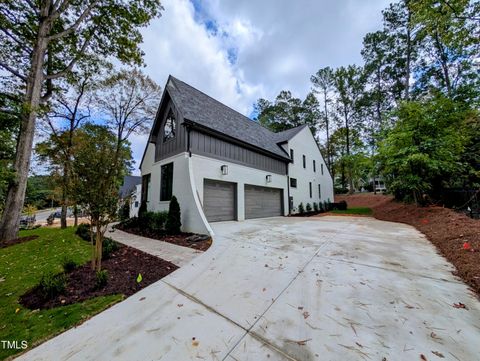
(170, 127)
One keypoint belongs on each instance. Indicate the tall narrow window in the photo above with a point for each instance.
(319, 191)
(170, 127)
(145, 187)
(292, 155)
(310, 186)
(166, 182)
(321, 167)
(304, 161)
(314, 166)
(293, 182)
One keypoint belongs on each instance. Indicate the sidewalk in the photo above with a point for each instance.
(178, 255)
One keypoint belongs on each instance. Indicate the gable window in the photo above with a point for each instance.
(293, 182)
(314, 166)
(166, 182)
(291, 155)
(310, 187)
(319, 191)
(170, 127)
(304, 161)
(321, 168)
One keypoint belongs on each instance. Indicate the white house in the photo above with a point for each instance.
(223, 166)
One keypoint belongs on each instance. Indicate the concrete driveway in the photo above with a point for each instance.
(328, 288)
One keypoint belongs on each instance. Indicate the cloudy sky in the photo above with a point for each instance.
(239, 51)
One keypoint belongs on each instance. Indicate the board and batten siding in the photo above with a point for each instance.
(172, 146)
(210, 146)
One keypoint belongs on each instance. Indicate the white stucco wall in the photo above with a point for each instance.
(304, 144)
(193, 219)
(135, 201)
(209, 168)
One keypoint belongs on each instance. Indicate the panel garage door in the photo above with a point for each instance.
(263, 202)
(219, 200)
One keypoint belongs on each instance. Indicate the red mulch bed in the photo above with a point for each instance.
(178, 239)
(17, 241)
(444, 227)
(123, 267)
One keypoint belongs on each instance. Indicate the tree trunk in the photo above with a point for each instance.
(409, 55)
(10, 221)
(98, 245)
(328, 130)
(75, 215)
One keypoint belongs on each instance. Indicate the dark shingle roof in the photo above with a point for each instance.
(208, 112)
(129, 184)
(288, 134)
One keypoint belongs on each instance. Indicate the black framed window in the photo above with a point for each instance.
(170, 127)
(321, 168)
(304, 161)
(292, 155)
(310, 188)
(314, 166)
(145, 187)
(166, 182)
(319, 191)
(293, 182)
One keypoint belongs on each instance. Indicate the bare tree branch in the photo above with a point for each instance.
(75, 26)
(13, 71)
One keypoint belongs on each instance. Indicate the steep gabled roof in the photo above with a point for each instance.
(129, 184)
(202, 109)
(286, 135)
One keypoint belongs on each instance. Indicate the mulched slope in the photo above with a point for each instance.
(17, 241)
(123, 267)
(178, 239)
(445, 228)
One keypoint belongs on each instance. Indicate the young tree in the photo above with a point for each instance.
(99, 168)
(42, 41)
(323, 83)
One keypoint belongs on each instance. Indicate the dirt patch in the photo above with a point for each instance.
(446, 229)
(123, 267)
(17, 241)
(180, 239)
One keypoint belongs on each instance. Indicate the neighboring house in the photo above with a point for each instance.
(223, 166)
(131, 191)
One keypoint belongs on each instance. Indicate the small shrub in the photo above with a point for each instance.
(124, 211)
(108, 247)
(101, 278)
(301, 209)
(68, 265)
(142, 209)
(315, 206)
(308, 207)
(157, 220)
(52, 285)
(342, 205)
(174, 223)
(326, 207)
(320, 207)
(83, 231)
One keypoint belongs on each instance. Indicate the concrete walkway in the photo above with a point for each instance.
(178, 255)
(329, 288)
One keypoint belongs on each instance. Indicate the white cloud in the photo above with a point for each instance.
(238, 51)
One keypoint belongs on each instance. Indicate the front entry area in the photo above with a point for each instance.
(263, 202)
(219, 200)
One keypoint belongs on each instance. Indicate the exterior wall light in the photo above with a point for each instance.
(269, 178)
(224, 169)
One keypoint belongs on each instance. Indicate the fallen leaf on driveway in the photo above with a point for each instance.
(422, 357)
(305, 314)
(300, 308)
(141, 299)
(300, 342)
(460, 305)
(180, 305)
(436, 353)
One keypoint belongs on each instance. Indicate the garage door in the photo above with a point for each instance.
(263, 202)
(219, 200)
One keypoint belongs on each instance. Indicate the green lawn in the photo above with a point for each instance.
(355, 210)
(21, 267)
